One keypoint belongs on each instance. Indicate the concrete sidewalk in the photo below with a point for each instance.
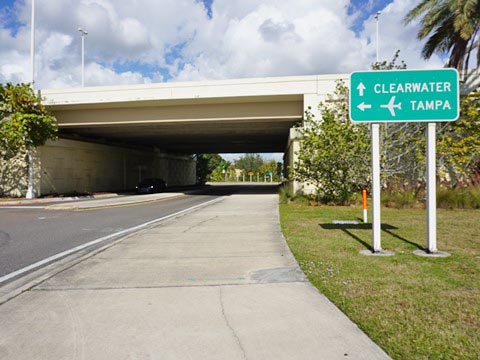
(219, 283)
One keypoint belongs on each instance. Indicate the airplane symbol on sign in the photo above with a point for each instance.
(391, 106)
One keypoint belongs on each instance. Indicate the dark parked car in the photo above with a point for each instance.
(150, 186)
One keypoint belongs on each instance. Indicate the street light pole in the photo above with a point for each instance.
(30, 192)
(83, 33)
(32, 44)
(377, 15)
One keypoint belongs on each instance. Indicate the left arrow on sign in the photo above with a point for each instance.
(364, 106)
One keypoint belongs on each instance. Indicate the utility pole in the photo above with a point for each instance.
(83, 33)
(376, 17)
(30, 192)
(32, 44)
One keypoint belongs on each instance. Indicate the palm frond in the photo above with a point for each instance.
(418, 10)
(437, 17)
(458, 53)
(440, 41)
(450, 27)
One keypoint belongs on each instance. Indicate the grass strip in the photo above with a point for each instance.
(413, 307)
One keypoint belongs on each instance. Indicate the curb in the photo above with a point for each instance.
(55, 199)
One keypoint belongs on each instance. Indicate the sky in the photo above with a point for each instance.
(145, 41)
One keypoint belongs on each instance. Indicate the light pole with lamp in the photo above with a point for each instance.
(30, 192)
(32, 44)
(83, 33)
(376, 17)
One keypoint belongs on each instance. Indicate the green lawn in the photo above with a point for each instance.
(413, 307)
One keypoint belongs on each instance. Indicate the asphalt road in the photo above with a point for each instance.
(30, 235)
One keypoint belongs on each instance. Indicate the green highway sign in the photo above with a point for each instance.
(404, 95)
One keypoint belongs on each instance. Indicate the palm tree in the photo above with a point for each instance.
(451, 27)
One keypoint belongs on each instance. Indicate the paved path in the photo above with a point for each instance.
(219, 283)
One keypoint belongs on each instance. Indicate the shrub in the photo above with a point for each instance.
(401, 198)
(287, 197)
(459, 198)
(285, 194)
(447, 198)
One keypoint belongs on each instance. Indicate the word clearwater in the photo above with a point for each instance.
(419, 87)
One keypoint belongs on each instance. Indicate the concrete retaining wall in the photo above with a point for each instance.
(13, 175)
(75, 166)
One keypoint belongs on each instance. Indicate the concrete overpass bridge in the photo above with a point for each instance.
(107, 133)
(248, 115)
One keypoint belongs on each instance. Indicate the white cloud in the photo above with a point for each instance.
(243, 39)
(96, 74)
(270, 38)
(395, 35)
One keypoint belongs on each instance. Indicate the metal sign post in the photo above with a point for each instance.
(376, 221)
(431, 190)
(404, 96)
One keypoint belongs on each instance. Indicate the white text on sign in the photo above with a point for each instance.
(433, 87)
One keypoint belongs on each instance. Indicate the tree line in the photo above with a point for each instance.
(212, 167)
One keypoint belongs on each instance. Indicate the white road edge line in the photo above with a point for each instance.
(94, 242)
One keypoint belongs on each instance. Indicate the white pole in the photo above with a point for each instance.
(377, 40)
(32, 44)
(431, 190)
(30, 192)
(376, 222)
(83, 33)
(376, 227)
(83, 61)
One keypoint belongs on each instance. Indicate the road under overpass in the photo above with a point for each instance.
(174, 119)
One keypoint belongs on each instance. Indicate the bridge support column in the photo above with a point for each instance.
(311, 103)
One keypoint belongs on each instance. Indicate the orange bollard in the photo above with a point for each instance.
(364, 198)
